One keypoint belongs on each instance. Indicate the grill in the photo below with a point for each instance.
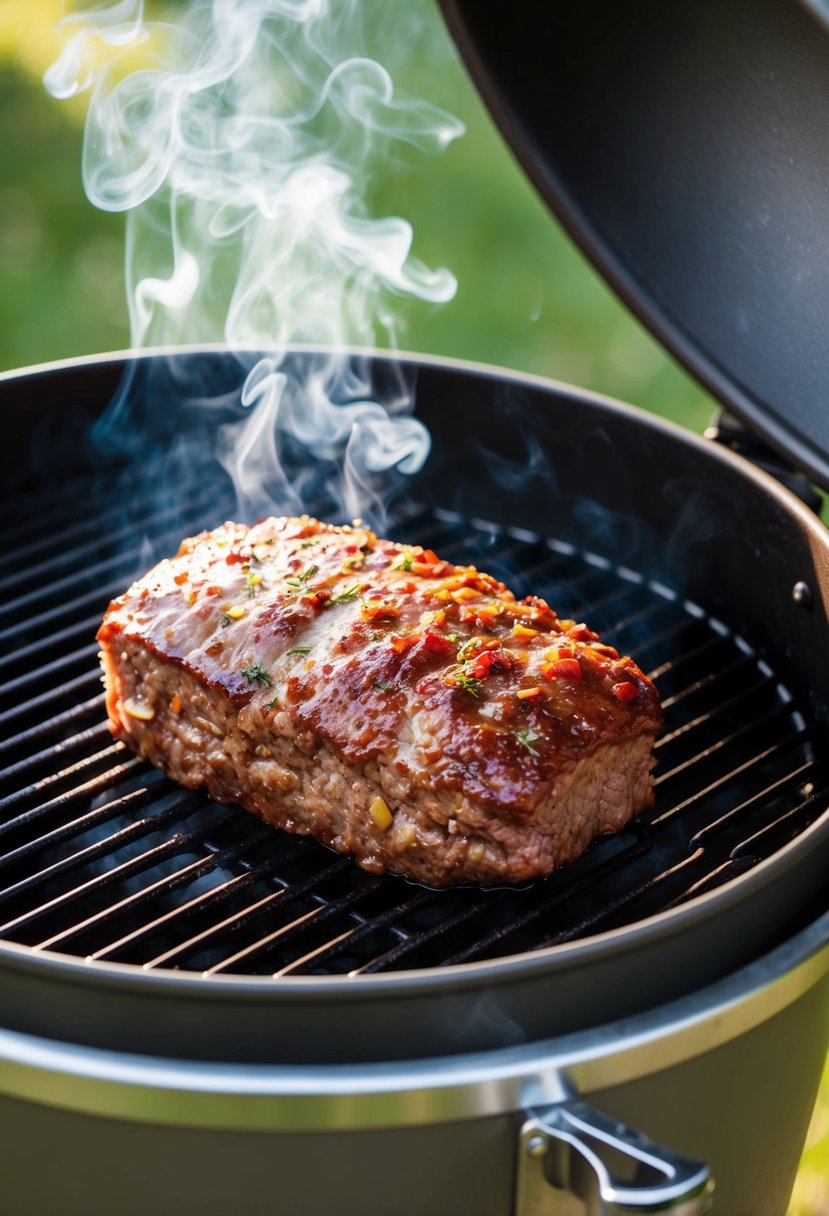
(140, 924)
(103, 858)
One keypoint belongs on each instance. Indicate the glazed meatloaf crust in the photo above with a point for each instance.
(399, 708)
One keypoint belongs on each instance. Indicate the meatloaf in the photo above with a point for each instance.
(397, 707)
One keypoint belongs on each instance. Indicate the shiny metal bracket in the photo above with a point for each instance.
(570, 1152)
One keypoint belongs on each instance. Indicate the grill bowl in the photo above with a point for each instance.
(116, 883)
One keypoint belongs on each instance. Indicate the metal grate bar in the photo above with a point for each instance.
(197, 905)
(49, 533)
(322, 911)
(63, 777)
(95, 852)
(390, 958)
(706, 718)
(611, 909)
(166, 884)
(728, 741)
(61, 556)
(80, 686)
(389, 921)
(68, 719)
(44, 761)
(785, 827)
(51, 647)
(55, 644)
(48, 757)
(284, 894)
(63, 804)
(194, 942)
(564, 887)
(737, 815)
(82, 658)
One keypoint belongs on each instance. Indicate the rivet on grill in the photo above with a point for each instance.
(802, 594)
(536, 1146)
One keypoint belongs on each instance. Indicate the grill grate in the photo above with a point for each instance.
(103, 858)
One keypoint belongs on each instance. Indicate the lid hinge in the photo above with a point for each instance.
(732, 434)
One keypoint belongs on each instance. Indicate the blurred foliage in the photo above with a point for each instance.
(526, 297)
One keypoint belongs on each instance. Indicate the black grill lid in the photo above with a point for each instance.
(685, 147)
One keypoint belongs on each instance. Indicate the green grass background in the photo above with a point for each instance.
(526, 297)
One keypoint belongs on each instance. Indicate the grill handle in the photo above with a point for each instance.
(562, 1152)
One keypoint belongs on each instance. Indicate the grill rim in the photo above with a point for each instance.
(519, 967)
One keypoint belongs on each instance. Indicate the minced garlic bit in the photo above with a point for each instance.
(138, 709)
(407, 836)
(476, 851)
(381, 814)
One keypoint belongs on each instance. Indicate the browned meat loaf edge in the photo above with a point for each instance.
(399, 708)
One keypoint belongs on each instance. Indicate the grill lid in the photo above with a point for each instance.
(684, 148)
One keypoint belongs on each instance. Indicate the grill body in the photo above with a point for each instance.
(118, 1143)
(670, 534)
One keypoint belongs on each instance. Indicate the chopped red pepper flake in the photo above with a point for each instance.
(399, 644)
(564, 669)
(236, 559)
(178, 579)
(482, 664)
(377, 612)
(624, 692)
(580, 633)
(428, 569)
(500, 658)
(213, 590)
(314, 601)
(437, 644)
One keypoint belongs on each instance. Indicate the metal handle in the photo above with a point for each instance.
(565, 1148)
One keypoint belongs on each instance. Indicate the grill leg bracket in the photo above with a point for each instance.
(571, 1152)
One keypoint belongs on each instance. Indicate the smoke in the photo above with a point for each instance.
(243, 139)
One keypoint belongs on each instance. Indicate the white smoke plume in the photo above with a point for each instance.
(241, 148)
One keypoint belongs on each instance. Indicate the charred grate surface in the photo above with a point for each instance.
(103, 858)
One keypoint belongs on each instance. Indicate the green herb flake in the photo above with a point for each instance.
(252, 581)
(274, 701)
(345, 597)
(306, 544)
(298, 650)
(468, 649)
(384, 685)
(404, 562)
(303, 578)
(257, 672)
(529, 739)
(467, 683)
